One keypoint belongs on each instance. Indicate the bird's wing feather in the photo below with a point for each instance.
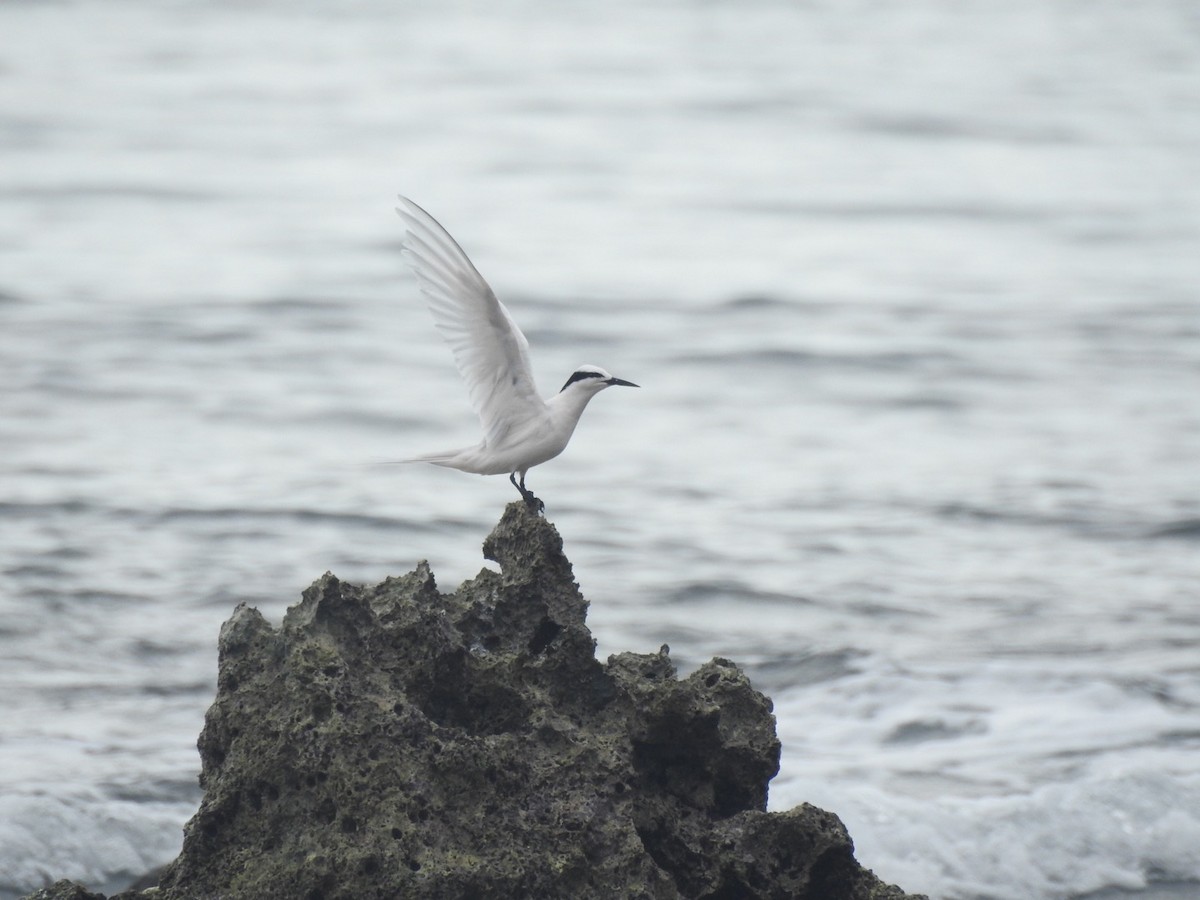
(491, 353)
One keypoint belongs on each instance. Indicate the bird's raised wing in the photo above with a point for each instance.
(491, 353)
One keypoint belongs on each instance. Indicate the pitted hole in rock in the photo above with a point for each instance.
(711, 680)
(321, 708)
(711, 784)
(477, 707)
(326, 812)
(418, 813)
(734, 886)
(669, 853)
(349, 825)
(669, 768)
(544, 635)
(685, 757)
(729, 794)
(830, 870)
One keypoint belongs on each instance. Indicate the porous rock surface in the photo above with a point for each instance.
(398, 742)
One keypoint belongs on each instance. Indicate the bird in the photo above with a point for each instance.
(520, 429)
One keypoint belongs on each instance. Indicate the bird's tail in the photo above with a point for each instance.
(445, 458)
(465, 459)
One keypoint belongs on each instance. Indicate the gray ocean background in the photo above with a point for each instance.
(912, 291)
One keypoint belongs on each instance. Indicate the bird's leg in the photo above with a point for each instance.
(527, 495)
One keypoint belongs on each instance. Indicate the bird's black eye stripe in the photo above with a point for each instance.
(579, 376)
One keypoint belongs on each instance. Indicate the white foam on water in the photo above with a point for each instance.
(1058, 841)
(83, 835)
(1042, 787)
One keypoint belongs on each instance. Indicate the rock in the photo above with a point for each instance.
(397, 742)
(64, 890)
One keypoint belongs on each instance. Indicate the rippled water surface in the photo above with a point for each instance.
(912, 293)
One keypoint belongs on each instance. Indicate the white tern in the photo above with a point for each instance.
(520, 429)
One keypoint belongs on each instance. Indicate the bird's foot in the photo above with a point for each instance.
(536, 506)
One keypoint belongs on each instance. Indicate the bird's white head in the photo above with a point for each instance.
(589, 380)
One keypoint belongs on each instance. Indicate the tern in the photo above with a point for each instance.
(520, 429)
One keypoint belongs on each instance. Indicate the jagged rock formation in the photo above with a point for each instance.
(397, 742)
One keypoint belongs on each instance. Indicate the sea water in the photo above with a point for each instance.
(913, 292)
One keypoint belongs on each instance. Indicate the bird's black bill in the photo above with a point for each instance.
(622, 381)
